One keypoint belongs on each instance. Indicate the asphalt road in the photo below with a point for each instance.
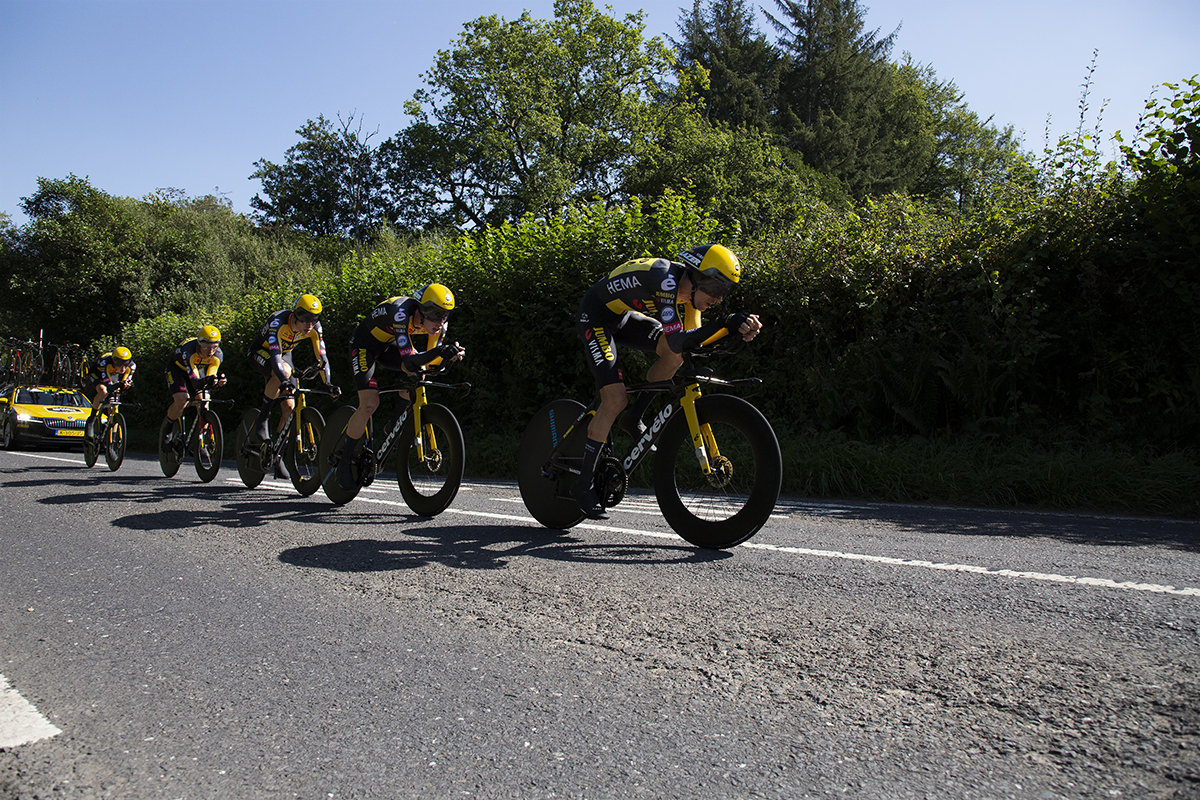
(208, 641)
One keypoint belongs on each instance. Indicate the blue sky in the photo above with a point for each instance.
(139, 95)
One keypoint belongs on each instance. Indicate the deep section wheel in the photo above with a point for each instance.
(249, 452)
(209, 446)
(170, 457)
(330, 452)
(429, 476)
(114, 442)
(303, 454)
(729, 505)
(545, 462)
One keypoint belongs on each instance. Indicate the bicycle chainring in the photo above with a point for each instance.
(611, 481)
(366, 467)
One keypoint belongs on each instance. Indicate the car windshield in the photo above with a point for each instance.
(50, 397)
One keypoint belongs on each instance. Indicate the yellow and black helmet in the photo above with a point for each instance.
(437, 301)
(210, 334)
(307, 308)
(714, 266)
(121, 355)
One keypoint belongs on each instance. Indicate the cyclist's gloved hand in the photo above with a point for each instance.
(289, 386)
(734, 322)
(335, 391)
(449, 351)
(210, 381)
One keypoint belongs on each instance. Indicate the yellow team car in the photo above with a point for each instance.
(42, 415)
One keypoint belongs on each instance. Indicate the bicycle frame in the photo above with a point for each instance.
(423, 436)
(200, 401)
(293, 426)
(686, 390)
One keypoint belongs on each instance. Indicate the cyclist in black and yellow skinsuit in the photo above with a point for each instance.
(111, 369)
(270, 355)
(385, 339)
(654, 305)
(194, 365)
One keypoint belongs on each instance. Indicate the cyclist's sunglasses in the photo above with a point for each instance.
(304, 316)
(717, 290)
(435, 315)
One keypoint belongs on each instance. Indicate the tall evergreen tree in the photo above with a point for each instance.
(843, 107)
(743, 67)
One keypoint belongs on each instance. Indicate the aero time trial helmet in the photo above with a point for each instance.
(307, 308)
(437, 301)
(714, 268)
(210, 334)
(121, 355)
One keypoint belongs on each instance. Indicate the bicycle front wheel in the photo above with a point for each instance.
(249, 452)
(303, 453)
(545, 484)
(728, 506)
(114, 445)
(209, 445)
(429, 484)
(170, 458)
(330, 453)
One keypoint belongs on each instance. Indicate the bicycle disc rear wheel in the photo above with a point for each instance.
(303, 454)
(330, 452)
(209, 446)
(114, 445)
(429, 485)
(249, 452)
(91, 450)
(170, 458)
(729, 506)
(549, 499)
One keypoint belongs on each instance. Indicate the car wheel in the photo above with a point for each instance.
(9, 436)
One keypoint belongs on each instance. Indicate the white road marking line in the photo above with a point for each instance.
(48, 458)
(20, 722)
(1106, 583)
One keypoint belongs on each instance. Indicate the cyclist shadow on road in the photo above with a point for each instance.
(483, 547)
(220, 505)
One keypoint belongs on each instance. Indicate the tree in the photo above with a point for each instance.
(843, 106)
(523, 116)
(329, 185)
(89, 263)
(970, 156)
(743, 67)
(80, 262)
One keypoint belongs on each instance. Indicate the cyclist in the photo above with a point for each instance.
(270, 355)
(111, 369)
(384, 339)
(653, 305)
(195, 365)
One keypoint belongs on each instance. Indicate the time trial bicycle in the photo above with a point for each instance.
(297, 443)
(109, 433)
(204, 439)
(717, 467)
(427, 440)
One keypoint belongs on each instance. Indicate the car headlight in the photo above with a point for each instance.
(24, 417)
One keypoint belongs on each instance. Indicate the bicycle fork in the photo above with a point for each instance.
(704, 444)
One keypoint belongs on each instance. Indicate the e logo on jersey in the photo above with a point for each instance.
(668, 284)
